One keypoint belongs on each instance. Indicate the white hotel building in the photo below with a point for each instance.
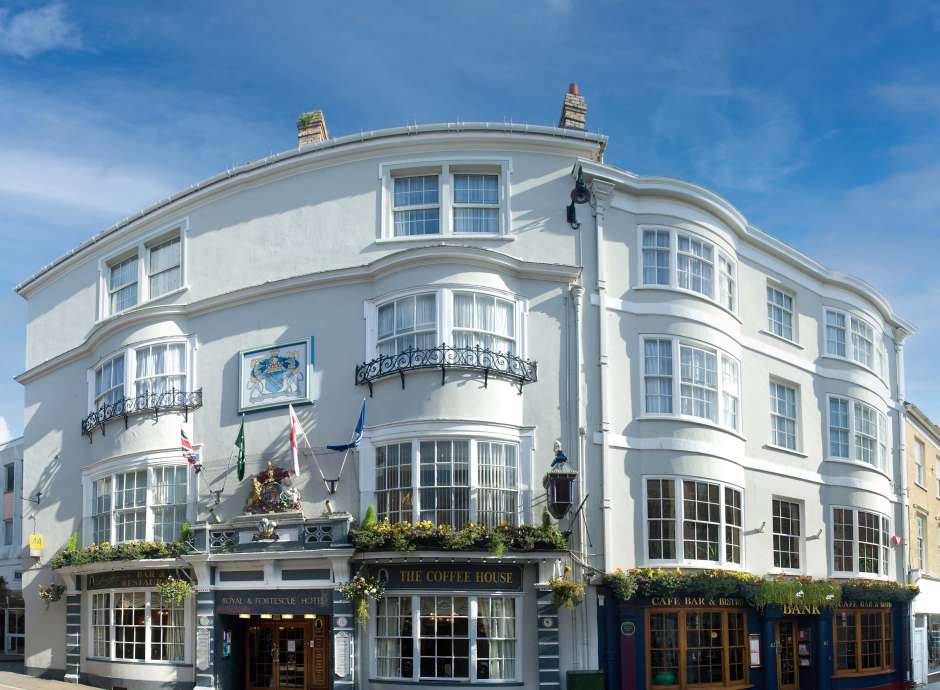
(727, 402)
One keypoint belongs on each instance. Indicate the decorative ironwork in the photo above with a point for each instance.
(155, 403)
(221, 539)
(503, 364)
(318, 534)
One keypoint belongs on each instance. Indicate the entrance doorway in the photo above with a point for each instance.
(286, 654)
(795, 654)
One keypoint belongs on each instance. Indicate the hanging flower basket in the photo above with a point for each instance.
(567, 593)
(175, 592)
(51, 593)
(359, 590)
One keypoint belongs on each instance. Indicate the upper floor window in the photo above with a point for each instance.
(9, 478)
(859, 542)
(784, 419)
(703, 391)
(853, 338)
(151, 369)
(786, 534)
(921, 536)
(410, 322)
(151, 269)
(462, 198)
(682, 260)
(780, 313)
(139, 505)
(920, 452)
(476, 203)
(450, 482)
(417, 208)
(484, 321)
(707, 515)
(857, 431)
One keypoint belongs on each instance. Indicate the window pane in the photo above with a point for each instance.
(661, 518)
(786, 534)
(496, 479)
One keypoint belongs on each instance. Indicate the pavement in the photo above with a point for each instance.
(13, 678)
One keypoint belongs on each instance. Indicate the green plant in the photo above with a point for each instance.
(802, 591)
(622, 584)
(51, 593)
(305, 119)
(566, 592)
(72, 543)
(186, 533)
(359, 590)
(370, 517)
(128, 551)
(878, 590)
(405, 537)
(174, 591)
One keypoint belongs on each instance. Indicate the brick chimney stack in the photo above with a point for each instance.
(311, 128)
(573, 109)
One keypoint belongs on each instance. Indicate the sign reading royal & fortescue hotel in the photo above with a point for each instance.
(274, 601)
(456, 576)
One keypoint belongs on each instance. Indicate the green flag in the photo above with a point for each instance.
(240, 444)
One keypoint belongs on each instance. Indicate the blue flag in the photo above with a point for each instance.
(357, 434)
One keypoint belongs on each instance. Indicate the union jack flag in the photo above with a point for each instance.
(191, 456)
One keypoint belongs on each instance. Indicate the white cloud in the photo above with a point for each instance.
(32, 32)
(5, 433)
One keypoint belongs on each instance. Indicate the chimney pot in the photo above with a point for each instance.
(573, 109)
(311, 128)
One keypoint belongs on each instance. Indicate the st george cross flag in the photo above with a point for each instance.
(240, 447)
(294, 431)
(187, 448)
(357, 434)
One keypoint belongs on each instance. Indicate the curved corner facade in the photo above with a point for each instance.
(726, 402)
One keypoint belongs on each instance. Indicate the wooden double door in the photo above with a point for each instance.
(796, 663)
(288, 655)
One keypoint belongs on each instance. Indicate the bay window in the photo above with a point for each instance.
(708, 517)
(701, 392)
(109, 381)
(864, 641)
(161, 368)
(859, 542)
(406, 323)
(857, 431)
(448, 481)
(685, 261)
(139, 505)
(691, 648)
(484, 321)
(853, 338)
(446, 637)
(149, 370)
(135, 275)
(137, 626)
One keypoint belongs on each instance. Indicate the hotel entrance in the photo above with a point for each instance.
(286, 654)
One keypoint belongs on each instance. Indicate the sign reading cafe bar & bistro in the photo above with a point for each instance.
(688, 602)
(454, 576)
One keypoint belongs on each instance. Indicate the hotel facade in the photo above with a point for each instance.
(725, 401)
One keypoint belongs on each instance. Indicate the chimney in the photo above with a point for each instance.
(311, 128)
(572, 109)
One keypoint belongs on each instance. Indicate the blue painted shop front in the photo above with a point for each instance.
(677, 643)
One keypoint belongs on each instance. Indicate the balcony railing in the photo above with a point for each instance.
(502, 364)
(145, 403)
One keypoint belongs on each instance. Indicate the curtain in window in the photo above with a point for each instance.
(463, 318)
(165, 267)
(496, 638)
(161, 368)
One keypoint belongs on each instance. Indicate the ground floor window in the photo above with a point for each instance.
(442, 636)
(693, 648)
(864, 641)
(137, 626)
(15, 631)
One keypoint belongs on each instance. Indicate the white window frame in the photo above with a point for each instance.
(95, 400)
(454, 171)
(130, 366)
(720, 355)
(794, 338)
(882, 442)
(149, 596)
(445, 314)
(111, 469)
(920, 539)
(719, 253)
(884, 560)
(797, 420)
(920, 459)
(140, 249)
(445, 169)
(936, 469)
(879, 365)
(472, 606)
(800, 538)
(680, 559)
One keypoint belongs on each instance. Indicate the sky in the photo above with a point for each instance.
(819, 121)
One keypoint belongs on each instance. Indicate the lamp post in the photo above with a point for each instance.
(559, 484)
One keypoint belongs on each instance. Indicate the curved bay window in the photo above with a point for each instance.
(696, 648)
(136, 626)
(448, 482)
(138, 505)
(864, 641)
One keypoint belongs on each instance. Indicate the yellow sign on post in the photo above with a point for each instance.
(36, 544)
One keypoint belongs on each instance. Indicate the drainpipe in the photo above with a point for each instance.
(601, 193)
(577, 296)
(905, 575)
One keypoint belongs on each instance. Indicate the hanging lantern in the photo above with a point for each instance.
(559, 485)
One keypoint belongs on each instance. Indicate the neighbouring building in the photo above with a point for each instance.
(724, 402)
(922, 455)
(12, 615)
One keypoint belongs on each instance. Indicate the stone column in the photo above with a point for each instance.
(343, 643)
(547, 621)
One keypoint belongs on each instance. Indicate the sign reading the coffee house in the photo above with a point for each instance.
(130, 579)
(274, 601)
(454, 576)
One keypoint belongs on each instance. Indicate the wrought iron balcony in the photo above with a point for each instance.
(145, 403)
(490, 363)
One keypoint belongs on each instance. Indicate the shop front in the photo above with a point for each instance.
(682, 642)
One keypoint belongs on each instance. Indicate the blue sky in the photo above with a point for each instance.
(820, 121)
